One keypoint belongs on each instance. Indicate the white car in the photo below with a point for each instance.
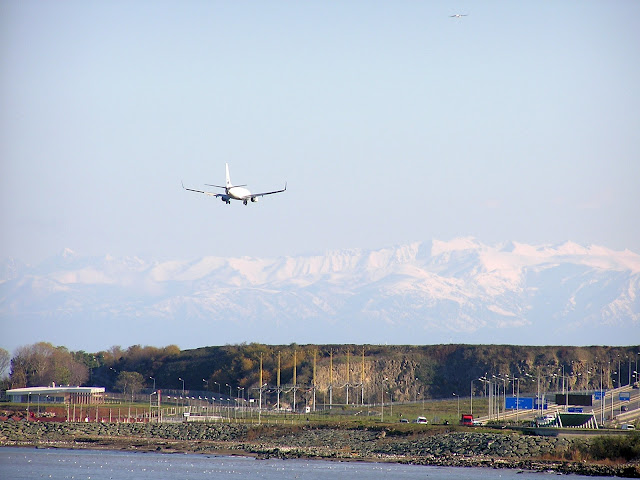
(421, 420)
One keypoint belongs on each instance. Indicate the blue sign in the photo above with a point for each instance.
(599, 395)
(538, 405)
(625, 396)
(521, 403)
(574, 409)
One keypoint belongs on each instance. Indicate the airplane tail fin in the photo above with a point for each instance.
(228, 179)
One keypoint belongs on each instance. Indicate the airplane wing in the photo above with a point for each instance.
(255, 195)
(202, 191)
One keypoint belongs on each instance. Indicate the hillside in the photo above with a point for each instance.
(408, 372)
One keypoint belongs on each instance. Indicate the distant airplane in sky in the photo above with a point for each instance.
(458, 15)
(234, 192)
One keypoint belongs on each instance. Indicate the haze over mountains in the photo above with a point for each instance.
(460, 291)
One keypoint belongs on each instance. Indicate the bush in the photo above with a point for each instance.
(625, 447)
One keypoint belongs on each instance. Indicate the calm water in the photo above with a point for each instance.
(31, 463)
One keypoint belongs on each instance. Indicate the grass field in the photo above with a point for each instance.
(435, 411)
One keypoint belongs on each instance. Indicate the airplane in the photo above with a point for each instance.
(234, 192)
(458, 15)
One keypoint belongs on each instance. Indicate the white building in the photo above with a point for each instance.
(65, 395)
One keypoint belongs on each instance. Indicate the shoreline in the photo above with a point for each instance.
(455, 449)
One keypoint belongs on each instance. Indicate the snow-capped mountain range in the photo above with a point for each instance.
(428, 292)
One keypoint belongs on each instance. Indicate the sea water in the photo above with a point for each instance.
(33, 463)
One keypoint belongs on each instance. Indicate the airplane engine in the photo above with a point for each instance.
(254, 199)
(225, 199)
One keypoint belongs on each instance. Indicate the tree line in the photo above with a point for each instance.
(43, 364)
(406, 372)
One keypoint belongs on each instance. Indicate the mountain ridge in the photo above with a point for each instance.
(418, 292)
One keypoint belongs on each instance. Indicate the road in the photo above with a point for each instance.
(611, 411)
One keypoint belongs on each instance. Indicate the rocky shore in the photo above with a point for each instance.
(468, 448)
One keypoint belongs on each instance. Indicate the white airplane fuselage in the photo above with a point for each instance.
(238, 193)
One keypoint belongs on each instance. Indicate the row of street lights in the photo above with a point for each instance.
(492, 386)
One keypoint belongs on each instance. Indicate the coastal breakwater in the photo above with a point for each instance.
(446, 448)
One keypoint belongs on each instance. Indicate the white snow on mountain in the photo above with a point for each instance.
(425, 292)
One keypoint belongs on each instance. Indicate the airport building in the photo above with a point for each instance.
(59, 395)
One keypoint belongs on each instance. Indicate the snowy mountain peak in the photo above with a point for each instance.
(422, 292)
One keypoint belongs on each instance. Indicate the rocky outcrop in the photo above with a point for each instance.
(482, 449)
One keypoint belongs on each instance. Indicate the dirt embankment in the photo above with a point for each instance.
(486, 449)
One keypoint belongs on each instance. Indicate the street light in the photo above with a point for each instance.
(154, 383)
(618, 370)
(504, 382)
(382, 404)
(458, 396)
(180, 378)
(471, 403)
(241, 395)
(518, 399)
(484, 380)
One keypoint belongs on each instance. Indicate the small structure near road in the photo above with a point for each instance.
(568, 420)
(58, 395)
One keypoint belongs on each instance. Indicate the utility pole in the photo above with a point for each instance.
(295, 382)
(471, 402)
(382, 404)
(362, 376)
(348, 378)
(277, 383)
(330, 379)
(601, 398)
(618, 374)
(260, 404)
(458, 397)
(315, 354)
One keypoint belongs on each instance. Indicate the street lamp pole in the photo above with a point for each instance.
(618, 370)
(517, 399)
(458, 397)
(180, 378)
(471, 402)
(484, 380)
(382, 405)
(601, 397)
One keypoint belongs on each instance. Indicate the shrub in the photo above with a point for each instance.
(626, 447)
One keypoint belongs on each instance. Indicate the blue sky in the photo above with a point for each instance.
(390, 121)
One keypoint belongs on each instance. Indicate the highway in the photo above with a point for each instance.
(611, 411)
